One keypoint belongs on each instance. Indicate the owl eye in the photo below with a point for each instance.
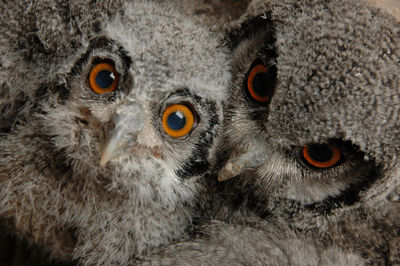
(321, 155)
(103, 78)
(259, 83)
(178, 120)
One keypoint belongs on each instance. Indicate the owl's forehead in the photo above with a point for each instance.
(168, 51)
(337, 77)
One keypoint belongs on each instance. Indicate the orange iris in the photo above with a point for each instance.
(103, 77)
(330, 155)
(178, 120)
(256, 83)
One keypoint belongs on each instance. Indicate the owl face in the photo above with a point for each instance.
(131, 98)
(308, 172)
(126, 121)
(300, 123)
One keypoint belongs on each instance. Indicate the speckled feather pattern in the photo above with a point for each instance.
(338, 82)
(53, 192)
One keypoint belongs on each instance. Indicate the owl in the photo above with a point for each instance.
(311, 131)
(110, 116)
(313, 121)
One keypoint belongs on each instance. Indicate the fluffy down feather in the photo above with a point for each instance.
(53, 192)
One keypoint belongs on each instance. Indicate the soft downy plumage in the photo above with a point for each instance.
(311, 129)
(88, 170)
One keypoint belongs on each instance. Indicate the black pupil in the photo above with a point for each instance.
(261, 84)
(105, 79)
(176, 120)
(320, 152)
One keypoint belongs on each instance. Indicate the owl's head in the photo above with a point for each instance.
(136, 85)
(118, 109)
(314, 101)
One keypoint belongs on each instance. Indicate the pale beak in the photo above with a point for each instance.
(128, 120)
(241, 160)
(233, 167)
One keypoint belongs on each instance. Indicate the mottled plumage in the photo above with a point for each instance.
(56, 130)
(323, 75)
(337, 82)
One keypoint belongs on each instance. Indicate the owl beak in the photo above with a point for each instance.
(128, 121)
(235, 165)
(112, 148)
(242, 160)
